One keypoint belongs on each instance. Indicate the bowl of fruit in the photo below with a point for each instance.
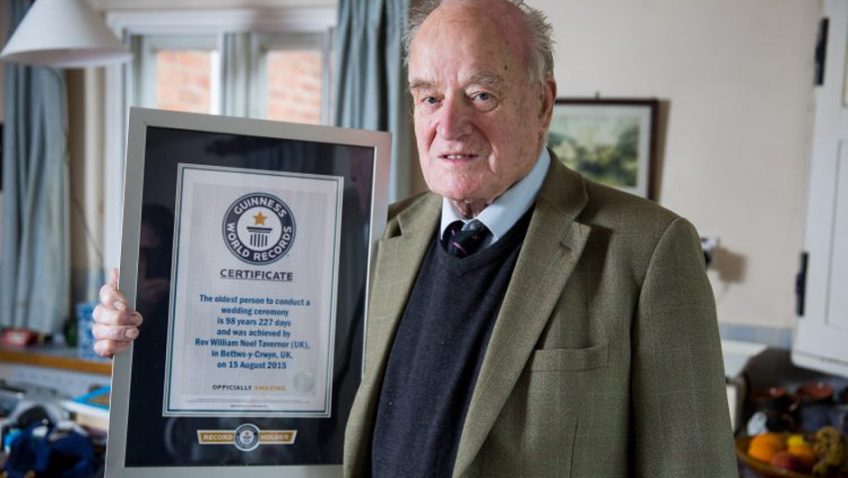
(823, 453)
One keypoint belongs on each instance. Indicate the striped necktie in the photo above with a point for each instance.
(463, 240)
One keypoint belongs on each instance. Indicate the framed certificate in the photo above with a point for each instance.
(246, 247)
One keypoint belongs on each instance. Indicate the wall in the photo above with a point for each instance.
(737, 75)
(85, 178)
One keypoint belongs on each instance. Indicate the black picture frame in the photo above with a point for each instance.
(145, 441)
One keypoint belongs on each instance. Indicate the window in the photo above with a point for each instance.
(177, 73)
(295, 77)
(184, 80)
(270, 63)
(293, 86)
(278, 76)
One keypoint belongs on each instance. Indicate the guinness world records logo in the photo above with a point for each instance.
(247, 437)
(259, 228)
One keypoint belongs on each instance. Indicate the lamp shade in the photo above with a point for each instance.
(63, 34)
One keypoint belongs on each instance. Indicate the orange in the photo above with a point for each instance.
(763, 451)
(765, 445)
(775, 439)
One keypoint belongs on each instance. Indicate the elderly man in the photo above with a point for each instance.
(523, 320)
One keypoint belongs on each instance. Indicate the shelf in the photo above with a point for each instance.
(55, 357)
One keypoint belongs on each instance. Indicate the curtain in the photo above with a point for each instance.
(370, 85)
(34, 263)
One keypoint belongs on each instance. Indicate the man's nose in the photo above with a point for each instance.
(455, 119)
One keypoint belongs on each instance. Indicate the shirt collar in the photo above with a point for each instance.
(508, 208)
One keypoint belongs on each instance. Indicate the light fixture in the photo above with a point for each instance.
(63, 34)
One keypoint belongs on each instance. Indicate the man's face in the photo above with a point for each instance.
(479, 121)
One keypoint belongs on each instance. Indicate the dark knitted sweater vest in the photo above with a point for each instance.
(436, 356)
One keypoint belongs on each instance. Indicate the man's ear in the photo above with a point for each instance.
(549, 90)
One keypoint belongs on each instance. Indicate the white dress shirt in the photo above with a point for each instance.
(507, 209)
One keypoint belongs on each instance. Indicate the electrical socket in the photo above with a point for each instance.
(710, 245)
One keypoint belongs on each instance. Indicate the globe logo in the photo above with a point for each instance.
(259, 228)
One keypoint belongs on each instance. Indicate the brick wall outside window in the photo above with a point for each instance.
(294, 86)
(182, 80)
(293, 82)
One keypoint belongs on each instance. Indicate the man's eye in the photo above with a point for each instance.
(484, 101)
(429, 100)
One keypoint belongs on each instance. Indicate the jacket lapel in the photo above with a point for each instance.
(399, 256)
(551, 249)
(398, 259)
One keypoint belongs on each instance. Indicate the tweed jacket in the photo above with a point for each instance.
(604, 360)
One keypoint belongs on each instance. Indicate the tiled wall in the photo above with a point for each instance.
(780, 337)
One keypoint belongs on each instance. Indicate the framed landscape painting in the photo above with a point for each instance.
(611, 141)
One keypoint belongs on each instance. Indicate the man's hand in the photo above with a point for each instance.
(115, 326)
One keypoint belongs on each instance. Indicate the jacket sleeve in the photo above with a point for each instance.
(681, 424)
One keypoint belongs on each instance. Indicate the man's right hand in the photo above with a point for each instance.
(115, 325)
